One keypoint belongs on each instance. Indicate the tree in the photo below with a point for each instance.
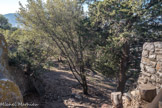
(124, 23)
(27, 50)
(4, 23)
(60, 21)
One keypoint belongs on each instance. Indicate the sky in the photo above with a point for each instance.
(10, 6)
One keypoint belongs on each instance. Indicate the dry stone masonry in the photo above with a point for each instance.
(9, 91)
(148, 93)
(151, 64)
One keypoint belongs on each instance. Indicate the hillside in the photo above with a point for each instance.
(12, 19)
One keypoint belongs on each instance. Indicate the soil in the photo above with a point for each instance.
(63, 91)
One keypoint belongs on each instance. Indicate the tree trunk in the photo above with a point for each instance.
(123, 68)
(84, 80)
(85, 86)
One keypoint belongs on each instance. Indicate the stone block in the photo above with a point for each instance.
(145, 53)
(158, 45)
(150, 69)
(152, 57)
(146, 74)
(158, 51)
(126, 101)
(159, 58)
(155, 102)
(159, 66)
(148, 46)
(116, 98)
(148, 62)
(105, 106)
(147, 92)
(135, 93)
(142, 66)
(153, 78)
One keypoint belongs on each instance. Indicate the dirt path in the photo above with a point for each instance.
(62, 90)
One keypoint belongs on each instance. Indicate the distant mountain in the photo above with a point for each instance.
(12, 19)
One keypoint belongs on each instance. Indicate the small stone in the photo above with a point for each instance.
(146, 74)
(152, 57)
(142, 66)
(159, 58)
(150, 69)
(135, 93)
(126, 101)
(148, 46)
(158, 45)
(116, 98)
(158, 51)
(145, 53)
(148, 62)
(159, 66)
(105, 106)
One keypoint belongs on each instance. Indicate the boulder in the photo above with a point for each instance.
(147, 92)
(9, 91)
(116, 98)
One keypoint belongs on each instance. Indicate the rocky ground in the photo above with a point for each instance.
(63, 91)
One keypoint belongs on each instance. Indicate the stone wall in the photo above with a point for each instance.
(9, 91)
(151, 64)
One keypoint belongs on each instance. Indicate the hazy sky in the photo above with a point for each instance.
(10, 6)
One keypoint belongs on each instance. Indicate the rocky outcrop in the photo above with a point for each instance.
(9, 91)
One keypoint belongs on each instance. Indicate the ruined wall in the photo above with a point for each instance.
(9, 91)
(151, 64)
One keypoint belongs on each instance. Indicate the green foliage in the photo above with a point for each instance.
(27, 50)
(4, 23)
(122, 22)
(60, 21)
(126, 24)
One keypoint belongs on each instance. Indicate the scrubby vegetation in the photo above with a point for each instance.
(106, 39)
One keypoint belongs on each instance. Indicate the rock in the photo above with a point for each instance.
(142, 66)
(105, 106)
(158, 45)
(145, 53)
(9, 91)
(148, 46)
(126, 101)
(146, 74)
(159, 58)
(116, 98)
(157, 101)
(150, 70)
(152, 57)
(147, 92)
(78, 97)
(158, 51)
(160, 104)
(148, 62)
(135, 93)
(159, 66)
